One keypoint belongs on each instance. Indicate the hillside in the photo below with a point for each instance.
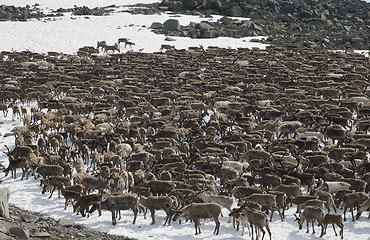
(333, 24)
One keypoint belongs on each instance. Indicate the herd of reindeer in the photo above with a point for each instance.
(195, 131)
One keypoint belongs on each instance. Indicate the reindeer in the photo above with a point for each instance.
(112, 48)
(312, 213)
(258, 219)
(4, 108)
(118, 202)
(331, 218)
(69, 195)
(197, 211)
(101, 44)
(14, 164)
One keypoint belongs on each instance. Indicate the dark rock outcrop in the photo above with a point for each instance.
(333, 24)
(24, 224)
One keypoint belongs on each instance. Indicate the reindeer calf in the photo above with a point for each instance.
(332, 218)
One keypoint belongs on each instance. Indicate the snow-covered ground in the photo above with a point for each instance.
(67, 34)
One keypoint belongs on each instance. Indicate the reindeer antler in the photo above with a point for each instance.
(296, 218)
(8, 151)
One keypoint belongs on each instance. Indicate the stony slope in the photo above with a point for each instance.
(334, 24)
(31, 225)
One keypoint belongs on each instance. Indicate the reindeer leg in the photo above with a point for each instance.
(263, 233)
(52, 191)
(281, 215)
(272, 212)
(249, 229)
(353, 218)
(335, 209)
(334, 230)
(135, 210)
(196, 227)
(258, 232)
(152, 212)
(252, 231)
(307, 226)
(313, 228)
(23, 174)
(114, 222)
(344, 214)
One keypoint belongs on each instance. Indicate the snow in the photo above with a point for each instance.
(68, 33)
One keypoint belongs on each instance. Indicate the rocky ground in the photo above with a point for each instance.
(23, 224)
(330, 24)
(12, 13)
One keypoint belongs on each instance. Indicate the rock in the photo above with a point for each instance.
(4, 226)
(203, 26)
(210, 34)
(66, 222)
(20, 232)
(41, 235)
(30, 218)
(287, 18)
(171, 25)
(165, 3)
(83, 227)
(192, 4)
(170, 39)
(214, 4)
(226, 20)
(47, 228)
(357, 40)
(4, 206)
(357, 43)
(3, 236)
(235, 11)
(80, 235)
(255, 27)
(156, 25)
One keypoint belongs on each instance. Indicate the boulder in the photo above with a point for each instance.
(156, 25)
(66, 222)
(20, 232)
(208, 34)
(3, 236)
(83, 227)
(235, 11)
(171, 25)
(203, 26)
(193, 4)
(41, 235)
(4, 199)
